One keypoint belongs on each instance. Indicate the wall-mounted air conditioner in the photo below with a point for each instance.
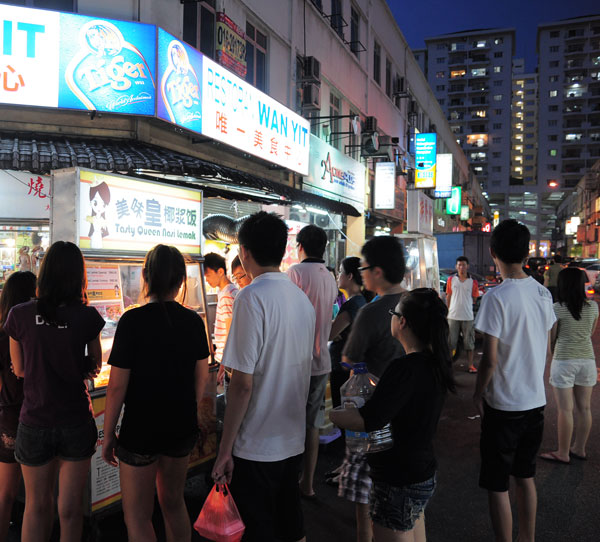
(311, 71)
(311, 96)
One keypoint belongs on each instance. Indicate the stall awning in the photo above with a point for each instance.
(42, 153)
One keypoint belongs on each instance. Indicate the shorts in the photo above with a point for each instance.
(468, 331)
(181, 448)
(573, 372)
(509, 444)
(315, 405)
(399, 508)
(9, 421)
(355, 482)
(267, 496)
(37, 446)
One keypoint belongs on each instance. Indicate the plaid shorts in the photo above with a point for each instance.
(355, 482)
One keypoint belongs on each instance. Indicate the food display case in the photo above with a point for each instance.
(115, 220)
(421, 257)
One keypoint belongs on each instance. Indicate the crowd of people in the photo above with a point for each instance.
(279, 342)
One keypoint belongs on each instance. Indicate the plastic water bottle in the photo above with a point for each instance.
(355, 393)
(380, 440)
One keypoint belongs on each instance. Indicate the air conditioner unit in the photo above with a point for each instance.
(399, 85)
(311, 96)
(311, 70)
(370, 124)
(412, 107)
(369, 143)
(386, 148)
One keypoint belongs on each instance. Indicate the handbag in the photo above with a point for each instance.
(219, 519)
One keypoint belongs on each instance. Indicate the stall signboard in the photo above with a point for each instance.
(464, 212)
(238, 114)
(385, 185)
(231, 45)
(496, 220)
(72, 61)
(334, 175)
(419, 211)
(443, 176)
(425, 159)
(571, 225)
(453, 203)
(123, 214)
(24, 195)
(179, 81)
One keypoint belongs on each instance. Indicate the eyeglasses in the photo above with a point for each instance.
(394, 313)
(237, 278)
(365, 267)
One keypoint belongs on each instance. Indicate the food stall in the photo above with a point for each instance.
(115, 220)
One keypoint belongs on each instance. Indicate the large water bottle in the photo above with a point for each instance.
(355, 393)
(380, 440)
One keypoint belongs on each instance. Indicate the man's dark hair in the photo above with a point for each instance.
(265, 236)
(558, 258)
(386, 252)
(462, 259)
(235, 264)
(510, 241)
(313, 240)
(215, 261)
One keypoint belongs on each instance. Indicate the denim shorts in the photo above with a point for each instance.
(37, 446)
(399, 508)
(181, 448)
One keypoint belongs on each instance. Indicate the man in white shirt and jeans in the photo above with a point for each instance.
(269, 350)
(461, 293)
(516, 318)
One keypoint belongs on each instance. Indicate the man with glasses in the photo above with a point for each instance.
(371, 342)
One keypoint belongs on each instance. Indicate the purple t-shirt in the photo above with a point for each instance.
(53, 356)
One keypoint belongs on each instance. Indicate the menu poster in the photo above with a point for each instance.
(105, 291)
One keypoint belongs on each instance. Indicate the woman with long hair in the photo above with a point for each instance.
(409, 396)
(573, 372)
(18, 288)
(57, 432)
(159, 371)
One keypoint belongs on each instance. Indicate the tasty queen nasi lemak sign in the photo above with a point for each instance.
(125, 214)
(179, 72)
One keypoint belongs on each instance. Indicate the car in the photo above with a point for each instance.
(593, 271)
(534, 263)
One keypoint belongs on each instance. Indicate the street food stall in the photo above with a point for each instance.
(115, 220)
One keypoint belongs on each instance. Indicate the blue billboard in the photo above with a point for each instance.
(425, 159)
(106, 65)
(179, 80)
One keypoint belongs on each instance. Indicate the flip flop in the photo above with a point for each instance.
(551, 456)
(311, 498)
(577, 456)
(472, 370)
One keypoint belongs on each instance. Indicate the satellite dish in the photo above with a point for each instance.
(355, 125)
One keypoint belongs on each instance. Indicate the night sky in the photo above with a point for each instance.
(420, 19)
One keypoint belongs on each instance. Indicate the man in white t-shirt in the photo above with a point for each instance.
(314, 279)
(269, 350)
(516, 318)
(461, 293)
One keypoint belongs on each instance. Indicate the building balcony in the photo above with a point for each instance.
(478, 88)
(573, 168)
(571, 156)
(457, 90)
(457, 61)
(482, 75)
(456, 105)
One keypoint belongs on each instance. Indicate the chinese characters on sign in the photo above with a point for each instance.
(23, 195)
(419, 212)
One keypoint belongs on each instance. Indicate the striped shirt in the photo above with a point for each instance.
(225, 298)
(574, 336)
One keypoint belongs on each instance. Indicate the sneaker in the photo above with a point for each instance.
(472, 369)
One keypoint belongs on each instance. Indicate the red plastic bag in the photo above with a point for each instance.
(219, 519)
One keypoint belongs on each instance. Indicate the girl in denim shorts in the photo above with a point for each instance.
(57, 434)
(409, 396)
(18, 288)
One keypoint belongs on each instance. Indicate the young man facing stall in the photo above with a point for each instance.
(269, 350)
(516, 318)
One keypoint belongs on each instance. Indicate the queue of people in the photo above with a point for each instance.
(279, 345)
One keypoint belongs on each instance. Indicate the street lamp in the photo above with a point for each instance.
(553, 183)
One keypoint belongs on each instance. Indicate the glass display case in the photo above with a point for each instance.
(421, 257)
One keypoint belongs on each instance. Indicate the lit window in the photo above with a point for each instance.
(553, 152)
(497, 69)
(553, 93)
(440, 75)
(457, 73)
(498, 97)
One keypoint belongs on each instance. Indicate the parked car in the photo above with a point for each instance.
(534, 263)
(593, 271)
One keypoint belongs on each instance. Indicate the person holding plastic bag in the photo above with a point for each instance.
(159, 370)
(410, 395)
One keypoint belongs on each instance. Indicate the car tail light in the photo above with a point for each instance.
(527, 266)
(590, 291)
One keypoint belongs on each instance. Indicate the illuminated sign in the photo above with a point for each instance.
(231, 45)
(453, 202)
(419, 211)
(124, 214)
(385, 185)
(487, 227)
(24, 195)
(572, 225)
(425, 148)
(496, 220)
(335, 175)
(443, 176)
(464, 212)
(242, 116)
(179, 70)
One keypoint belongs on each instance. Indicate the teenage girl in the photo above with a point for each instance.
(57, 433)
(19, 288)
(159, 371)
(410, 396)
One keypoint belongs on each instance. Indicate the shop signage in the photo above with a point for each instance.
(464, 212)
(425, 159)
(242, 116)
(419, 210)
(453, 203)
(487, 227)
(24, 195)
(180, 70)
(443, 176)
(124, 214)
(334, 175)
(385, 185)
(496, 220)
(572, 225)
(231, 45)
(74, 61)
